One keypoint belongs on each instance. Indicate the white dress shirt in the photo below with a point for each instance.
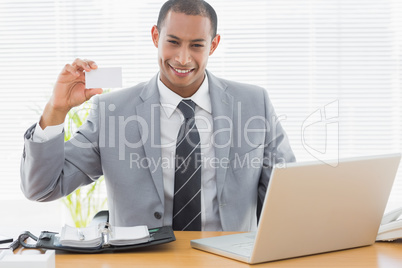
(171, 119)
(42, 135)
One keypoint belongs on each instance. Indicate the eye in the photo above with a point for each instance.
(198, 45)
(173, 42)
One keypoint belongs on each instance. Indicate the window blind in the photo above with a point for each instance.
(331, 68)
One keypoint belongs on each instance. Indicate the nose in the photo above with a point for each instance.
(183, 57)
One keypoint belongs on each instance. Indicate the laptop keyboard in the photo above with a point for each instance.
(247, 246)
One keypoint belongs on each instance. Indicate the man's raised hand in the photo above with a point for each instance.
(68, 92)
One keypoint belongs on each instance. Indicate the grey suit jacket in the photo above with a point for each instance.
(124, 126)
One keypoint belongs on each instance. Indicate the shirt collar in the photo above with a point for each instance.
(169, 99)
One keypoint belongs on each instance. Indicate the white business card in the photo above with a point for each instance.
(104, 78)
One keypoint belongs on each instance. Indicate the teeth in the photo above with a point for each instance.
(182, 71)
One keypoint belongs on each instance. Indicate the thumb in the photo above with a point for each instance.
(90, 92)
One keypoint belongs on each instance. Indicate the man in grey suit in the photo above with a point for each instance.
(130, 136)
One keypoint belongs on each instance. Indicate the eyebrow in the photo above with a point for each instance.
(194, 40)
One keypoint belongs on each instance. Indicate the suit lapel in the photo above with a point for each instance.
(149, 120)
(222, 113)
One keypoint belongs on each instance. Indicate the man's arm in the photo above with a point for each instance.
(54, 168)
(277, 150)
(48, 171)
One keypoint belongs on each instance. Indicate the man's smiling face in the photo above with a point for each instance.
(184, 45)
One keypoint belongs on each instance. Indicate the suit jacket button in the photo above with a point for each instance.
(157, 215)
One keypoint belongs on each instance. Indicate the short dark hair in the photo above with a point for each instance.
(189, 7)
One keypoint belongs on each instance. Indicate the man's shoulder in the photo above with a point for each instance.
(124, 94)
(241, 85)
(241, 89)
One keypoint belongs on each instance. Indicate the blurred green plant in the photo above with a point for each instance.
(86, 201)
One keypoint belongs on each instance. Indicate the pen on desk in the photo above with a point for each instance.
(81, 235)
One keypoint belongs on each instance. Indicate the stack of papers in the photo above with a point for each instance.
(70, 236)
(121, 236)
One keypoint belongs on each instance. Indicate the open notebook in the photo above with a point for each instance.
(94, 236)
(103, 238)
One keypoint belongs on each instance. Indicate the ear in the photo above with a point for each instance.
(214, 44)
(155, 35)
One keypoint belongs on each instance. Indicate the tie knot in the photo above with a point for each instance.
(187, 108)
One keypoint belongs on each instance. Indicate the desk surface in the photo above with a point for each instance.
(180, 254)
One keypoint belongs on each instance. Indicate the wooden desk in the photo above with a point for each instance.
(180, 254)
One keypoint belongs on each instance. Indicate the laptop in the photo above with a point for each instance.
(312, 208)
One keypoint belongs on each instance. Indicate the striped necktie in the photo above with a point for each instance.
(187, 185)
